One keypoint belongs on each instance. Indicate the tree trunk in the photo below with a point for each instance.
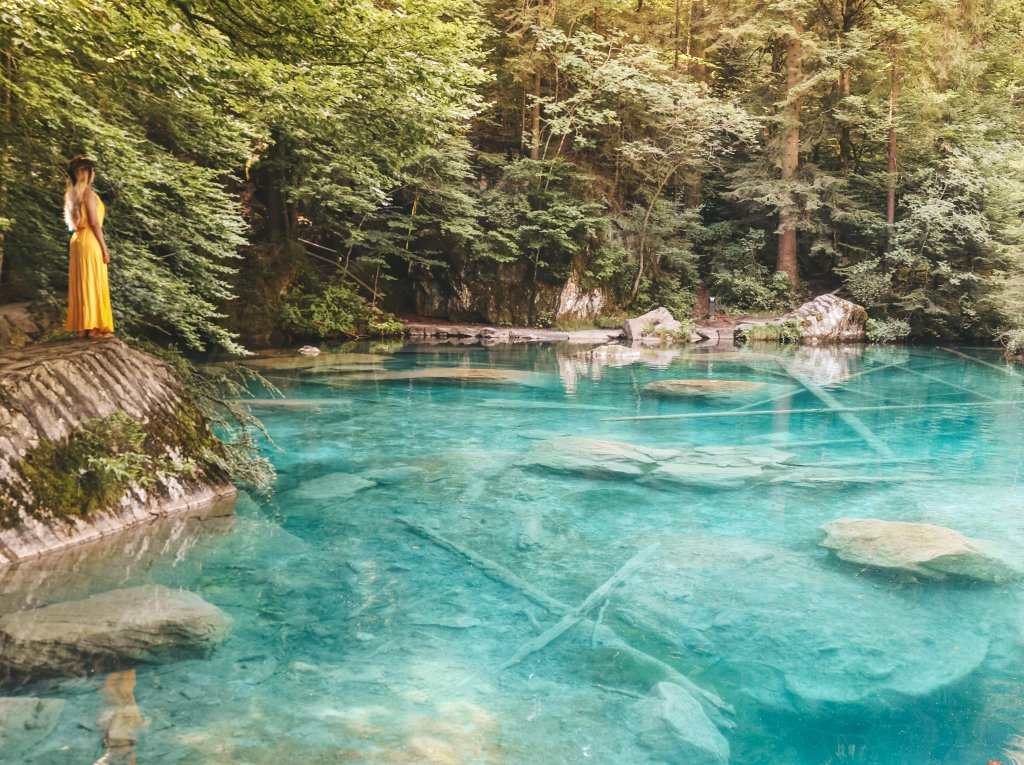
(894, 95)
(843, 138)
(5, 148)
(695, 41)
(786, 261)
(675, 38)
(535, 131)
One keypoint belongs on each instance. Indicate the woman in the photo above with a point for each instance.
(89, 313)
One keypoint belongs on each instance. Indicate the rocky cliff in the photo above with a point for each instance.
(95, 437)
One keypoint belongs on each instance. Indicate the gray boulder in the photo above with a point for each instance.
(825, 320)
(830, 319)
(672, 724)
(921, 548)
(24, 722)
(149, 624)
(636, 329)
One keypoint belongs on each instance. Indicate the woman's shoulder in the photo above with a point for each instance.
(90, 196)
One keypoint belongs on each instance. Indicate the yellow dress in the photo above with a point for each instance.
(88, 289)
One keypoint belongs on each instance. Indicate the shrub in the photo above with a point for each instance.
(886, 330)
(751, 290)
(331, 311)
(785, 333)
(1013, 340)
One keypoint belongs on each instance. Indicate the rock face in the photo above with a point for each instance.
(49, 392)
(147, 624)
(576, 303)
(18, 327)
(24, 722)
(477, 291)
(921, 548)
(673, 726)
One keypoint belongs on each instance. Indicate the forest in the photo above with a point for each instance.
(311, 168)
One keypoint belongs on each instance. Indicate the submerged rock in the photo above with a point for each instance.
(708, 476)
(149, 624)
(386, 476)
(781, 629)
(24, 722)
(672, 724)
(319, 362)
(705, 389)
(456, 375)
(921, 548)
(722, 467)
(595, 458)
(333, 486)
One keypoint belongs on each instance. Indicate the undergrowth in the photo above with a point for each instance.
(92, 469)
(785, 333)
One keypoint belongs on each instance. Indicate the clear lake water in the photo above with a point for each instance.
(428, 523)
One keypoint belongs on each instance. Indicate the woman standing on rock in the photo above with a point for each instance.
(89, 313)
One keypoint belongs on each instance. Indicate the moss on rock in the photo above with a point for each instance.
(97, 464)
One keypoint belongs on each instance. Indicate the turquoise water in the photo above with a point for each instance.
(357, 637)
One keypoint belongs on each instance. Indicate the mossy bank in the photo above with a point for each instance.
(96, 437)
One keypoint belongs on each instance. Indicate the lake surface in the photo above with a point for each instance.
(428, 523)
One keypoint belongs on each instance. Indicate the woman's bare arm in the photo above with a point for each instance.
(93, 216)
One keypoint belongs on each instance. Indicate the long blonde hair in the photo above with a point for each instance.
(78, 184)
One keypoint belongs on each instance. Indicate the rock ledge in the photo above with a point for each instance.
(50, 391)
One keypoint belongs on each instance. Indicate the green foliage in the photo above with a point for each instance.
(538, 211)
(783, 333)
(1013, 341)
(133, 89)
(331, 311)
(91, 469)
(401, 138)
(887, 330)
(740, 291)
(214, 395)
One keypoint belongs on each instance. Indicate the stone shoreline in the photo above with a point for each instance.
(49, 392)
(488, 335)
